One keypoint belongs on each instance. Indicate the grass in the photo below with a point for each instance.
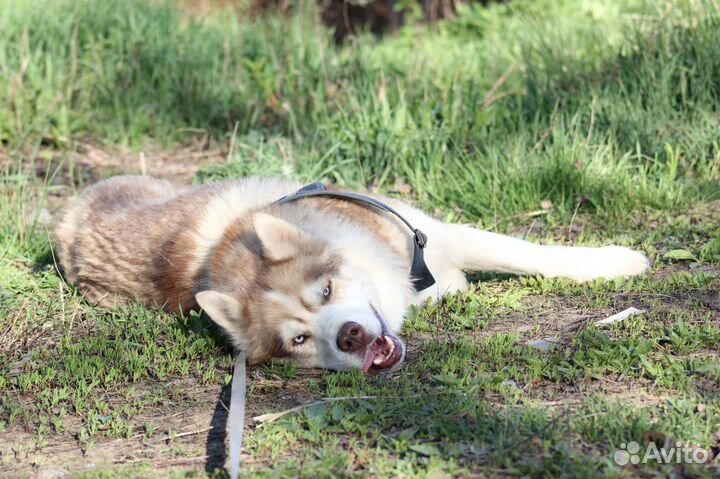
(567, 122)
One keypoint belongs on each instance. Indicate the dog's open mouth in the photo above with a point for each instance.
(383, 353)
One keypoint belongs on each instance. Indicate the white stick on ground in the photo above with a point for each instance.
(621, 316)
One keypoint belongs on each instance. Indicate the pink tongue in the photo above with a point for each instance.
(374, 350)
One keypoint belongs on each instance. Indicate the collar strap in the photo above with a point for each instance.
(420, 275)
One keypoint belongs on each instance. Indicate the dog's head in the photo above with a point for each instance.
(304, 301)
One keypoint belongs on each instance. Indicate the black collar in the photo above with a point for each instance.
(420, 275)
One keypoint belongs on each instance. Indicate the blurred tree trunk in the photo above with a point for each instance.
(380, 16)
(348, 17)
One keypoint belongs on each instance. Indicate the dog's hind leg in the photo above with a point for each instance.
(470, 249)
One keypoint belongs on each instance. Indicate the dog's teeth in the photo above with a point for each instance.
(378, 360)
(391, 343)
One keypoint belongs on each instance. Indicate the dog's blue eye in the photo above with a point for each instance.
(300, 339)
(327, 291)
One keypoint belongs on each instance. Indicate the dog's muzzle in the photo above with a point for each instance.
(384, 352)
(378, 352)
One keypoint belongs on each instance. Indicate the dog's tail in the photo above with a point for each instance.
(476, 250)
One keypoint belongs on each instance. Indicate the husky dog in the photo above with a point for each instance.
(321, 281)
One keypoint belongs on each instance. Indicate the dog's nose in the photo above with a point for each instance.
(352, 337)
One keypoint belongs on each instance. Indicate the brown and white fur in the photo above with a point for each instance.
(321, 281)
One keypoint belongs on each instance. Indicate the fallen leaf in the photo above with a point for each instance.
(425, 449)
(680, 254)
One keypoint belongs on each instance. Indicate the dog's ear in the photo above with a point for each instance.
(226, 311)
(280, 239)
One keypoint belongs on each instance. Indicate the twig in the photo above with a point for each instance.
(496, 98)
(180, 413)
(572, 220)
(541, 141)
(192, 130)
(16, 316)
(532, 225)
(191, 433)
(180, 462)
(171, 462)
(528, 214)
(490, 97)
(143, 164)
(232, 142)
(592, 122)
(62, 303)
(54, 258)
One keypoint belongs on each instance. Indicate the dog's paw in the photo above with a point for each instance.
(612, 262)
